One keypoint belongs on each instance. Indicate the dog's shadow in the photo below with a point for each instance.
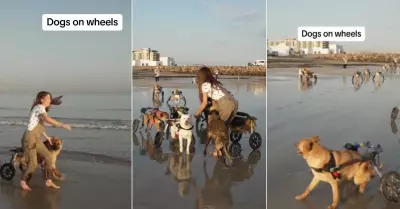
(349, 197)
(148, 148)
(180, 167)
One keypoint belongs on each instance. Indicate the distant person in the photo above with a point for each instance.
(157, 74)
(344, 63)
(395, 61)
(216, 73)
(209, 87)
(31, 142)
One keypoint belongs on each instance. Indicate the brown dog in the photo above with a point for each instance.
(154, 118)
(320, 160)
(55, 148)
(218, 131)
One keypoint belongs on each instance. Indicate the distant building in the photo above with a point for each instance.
(292, 46)
(146, 54)
(167, 61)
(149, 57)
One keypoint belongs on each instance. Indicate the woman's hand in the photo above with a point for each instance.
(66, 127)
(197, 114)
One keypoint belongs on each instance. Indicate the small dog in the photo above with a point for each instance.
(176, 95)
(157, 90)
(321, 160)
(55, 148)
(378, 77)
(218, 131)
(183, 130)
(367, 72)
(154, 117)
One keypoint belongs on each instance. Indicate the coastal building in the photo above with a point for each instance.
(167, 61)
(289, 47)
(146, 54)
(150, 57)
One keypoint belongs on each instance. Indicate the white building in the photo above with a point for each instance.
(292, 46)
(167, 61)
(336, 48)
(143, 62)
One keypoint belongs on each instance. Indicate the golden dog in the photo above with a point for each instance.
(55, 148)
(321, 160)
(218, 131)
(155, 118)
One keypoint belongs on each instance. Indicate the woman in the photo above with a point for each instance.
(209, 87)
(31, 143)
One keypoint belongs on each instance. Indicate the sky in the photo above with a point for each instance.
(32, 60)
(380, 19)
(210, 32)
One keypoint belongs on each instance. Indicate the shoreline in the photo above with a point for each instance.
(190, 71)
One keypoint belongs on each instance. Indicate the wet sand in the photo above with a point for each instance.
(211, 183)
(327, 70)
(337, 112)
(88, 184)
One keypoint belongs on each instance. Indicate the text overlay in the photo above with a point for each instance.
(82, 22)
(340, 34)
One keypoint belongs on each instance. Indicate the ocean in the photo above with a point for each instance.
(100, 123)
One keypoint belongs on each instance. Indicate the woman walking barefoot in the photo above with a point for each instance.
(31, 143)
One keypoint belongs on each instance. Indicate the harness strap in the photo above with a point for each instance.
(329, 167)
(332, 168)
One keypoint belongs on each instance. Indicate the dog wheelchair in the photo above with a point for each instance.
(136, 122)
(176, 96)
(357, 78)
(7, 170)
(237, 127)
(307, 75)
(389, 186)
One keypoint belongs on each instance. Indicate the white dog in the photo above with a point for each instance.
(183, 130)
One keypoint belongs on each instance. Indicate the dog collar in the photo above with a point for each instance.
(180, 127)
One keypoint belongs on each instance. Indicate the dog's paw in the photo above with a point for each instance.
(300, 197)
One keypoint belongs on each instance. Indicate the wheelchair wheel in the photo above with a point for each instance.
(135, 125)
(7, 171)
(390, 187)
(158, 139)
(200, 126)
(235, 136)
(254, 157)
(184, 101)
(255, 141)
(395, 113)
(235, 149)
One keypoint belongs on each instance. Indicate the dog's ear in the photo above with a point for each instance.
(315, 139)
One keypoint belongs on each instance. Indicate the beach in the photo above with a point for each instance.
(95, 156)
(338, 113)
(212, 183)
